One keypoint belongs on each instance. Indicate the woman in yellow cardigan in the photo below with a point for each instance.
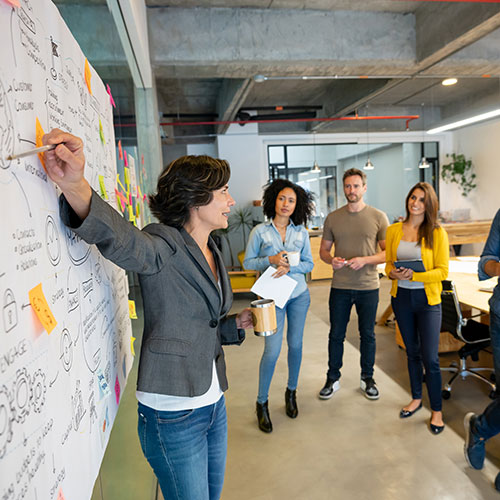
(416, 296)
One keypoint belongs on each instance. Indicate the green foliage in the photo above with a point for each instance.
(459, 171)
(241, 221)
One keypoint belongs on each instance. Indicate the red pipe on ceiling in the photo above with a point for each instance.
(408, 119)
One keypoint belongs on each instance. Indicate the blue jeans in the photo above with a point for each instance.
(186, 449)
(420, 326)
(494, 303)
(295, 310)
(341, 302)
(487, 424)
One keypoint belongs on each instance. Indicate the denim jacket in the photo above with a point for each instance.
(491, 251)
(265, 241)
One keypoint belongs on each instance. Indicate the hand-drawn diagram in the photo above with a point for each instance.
(59, 391)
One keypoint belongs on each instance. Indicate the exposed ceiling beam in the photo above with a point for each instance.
(230, 99)
(443, 29)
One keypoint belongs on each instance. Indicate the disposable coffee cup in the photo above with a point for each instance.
(264, 317)
(293, 258)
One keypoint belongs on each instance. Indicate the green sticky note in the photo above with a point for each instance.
(104, 193)
(101, 132)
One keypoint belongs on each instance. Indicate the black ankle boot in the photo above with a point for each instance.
(291, 403)
(263, 418)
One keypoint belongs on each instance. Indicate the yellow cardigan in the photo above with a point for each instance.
(435, 260)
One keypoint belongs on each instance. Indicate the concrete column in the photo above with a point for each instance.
(148, 134)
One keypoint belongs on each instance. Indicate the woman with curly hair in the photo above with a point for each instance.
(287, 207)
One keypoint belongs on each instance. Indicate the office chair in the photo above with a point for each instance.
(475, 335)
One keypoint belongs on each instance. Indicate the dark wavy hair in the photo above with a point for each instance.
(185, 183)
(426, 229)
(303, 209)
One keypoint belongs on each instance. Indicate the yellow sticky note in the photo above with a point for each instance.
(127, 176)
(132, 350)
(104, 193)
(39, 134)
(131, 310)
(120, 182)
(101, 132)
(88, 76)
(137, 210)
(131, 216)
(41, 308)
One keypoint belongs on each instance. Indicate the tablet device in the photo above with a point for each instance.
(416, 265)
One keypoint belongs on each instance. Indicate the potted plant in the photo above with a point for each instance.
(459, 171)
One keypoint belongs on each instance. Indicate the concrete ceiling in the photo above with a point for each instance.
(315, 59)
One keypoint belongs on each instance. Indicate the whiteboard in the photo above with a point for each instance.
(59, 390)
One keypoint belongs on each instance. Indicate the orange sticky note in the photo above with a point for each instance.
(39, 134)
(120, 152)
(88, 76)
(14, 3)
(41, 308)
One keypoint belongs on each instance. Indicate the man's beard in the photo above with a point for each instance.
(353, 198)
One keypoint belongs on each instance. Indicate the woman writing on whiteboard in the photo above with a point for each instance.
(416, 296)
(287, 206)
(186, 294)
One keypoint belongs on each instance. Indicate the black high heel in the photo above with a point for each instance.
(263, 418)
(291, 403)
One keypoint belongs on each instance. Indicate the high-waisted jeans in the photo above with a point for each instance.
(186, 449)
(420, 326)
(296, 311)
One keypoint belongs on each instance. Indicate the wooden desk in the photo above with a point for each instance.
(321, 270)
(469, 293)
(461, 233)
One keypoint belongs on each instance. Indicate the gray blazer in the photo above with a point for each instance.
(185, 323)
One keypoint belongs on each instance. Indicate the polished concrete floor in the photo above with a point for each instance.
(346, 447)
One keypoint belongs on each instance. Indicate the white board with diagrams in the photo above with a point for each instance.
(65, 331)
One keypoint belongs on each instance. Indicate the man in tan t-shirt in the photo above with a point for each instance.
(356, 230)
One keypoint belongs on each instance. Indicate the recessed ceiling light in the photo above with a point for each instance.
(449, 81)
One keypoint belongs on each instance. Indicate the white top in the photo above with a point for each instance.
(164, 402)
(409, 250)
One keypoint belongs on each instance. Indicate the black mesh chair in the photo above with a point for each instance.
(475, 335)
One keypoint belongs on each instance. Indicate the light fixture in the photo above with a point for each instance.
(449, 81)
(465, 121)
(423, 163)
(316, 167)
(368, 165)
(259, 78)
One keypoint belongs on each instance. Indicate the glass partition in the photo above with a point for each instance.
(396, 170)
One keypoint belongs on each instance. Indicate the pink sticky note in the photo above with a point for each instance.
(14, 3)
(117, 390)
(111, 100)
(125, 159)
(60, 495)
(130, 198)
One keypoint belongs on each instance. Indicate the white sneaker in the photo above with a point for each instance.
(330, 387)
(369, 388)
